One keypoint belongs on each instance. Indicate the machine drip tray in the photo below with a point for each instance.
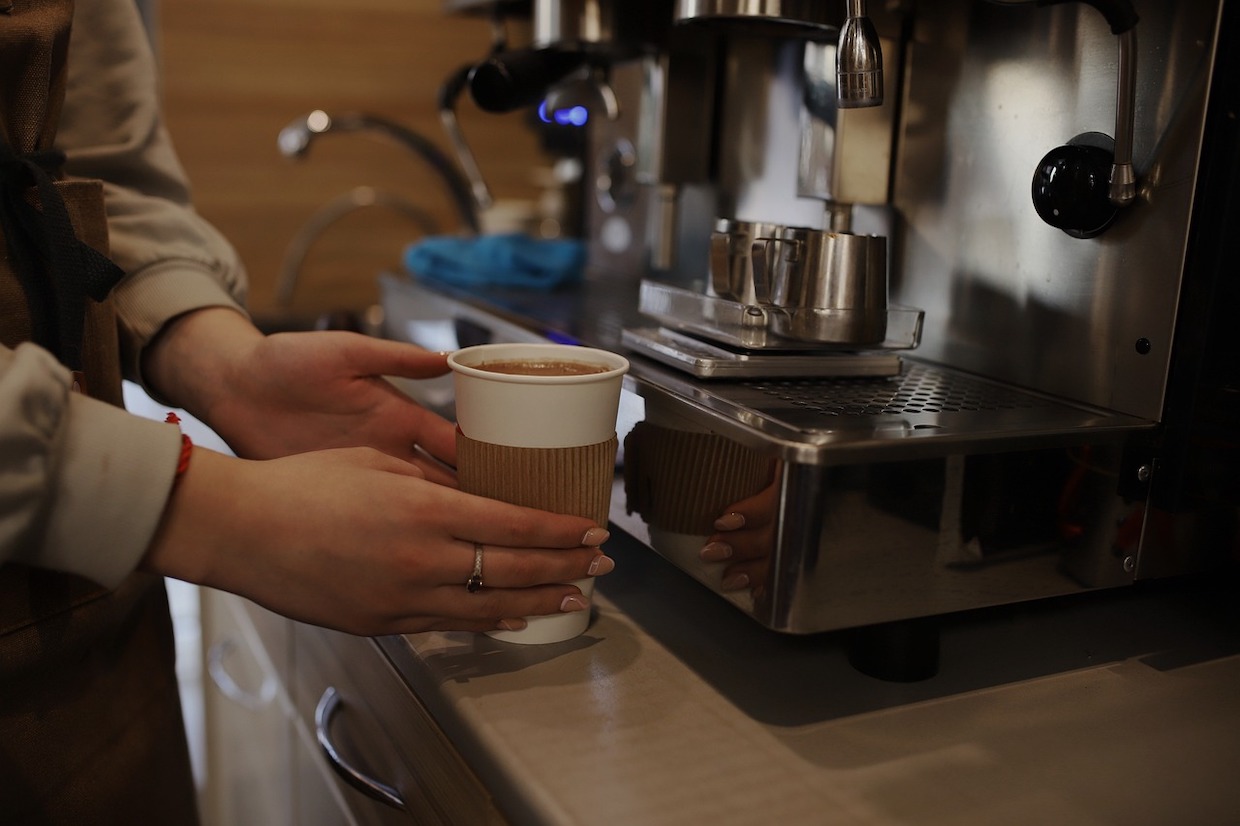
(708, 360)
(923, 406)
(776, 329)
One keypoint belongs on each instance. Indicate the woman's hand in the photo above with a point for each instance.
(743, 541)
(359, 541)
(364, 536)
(272, 396)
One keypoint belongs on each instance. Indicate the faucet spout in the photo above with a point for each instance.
(859, 61)
(294, 142)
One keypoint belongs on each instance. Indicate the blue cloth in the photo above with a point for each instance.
(511, 260)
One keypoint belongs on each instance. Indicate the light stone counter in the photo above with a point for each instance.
(1118, 707)
(674, 708)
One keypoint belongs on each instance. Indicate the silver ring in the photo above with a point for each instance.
(475, 579)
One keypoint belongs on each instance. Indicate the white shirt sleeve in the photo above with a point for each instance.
(83, 484)
(112, 129)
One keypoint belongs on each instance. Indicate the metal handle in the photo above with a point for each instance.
(721, 265)
(761, 253)
(776, 270)
(253, 700)
(1123, 189)
(1122, 18)
(329, 703)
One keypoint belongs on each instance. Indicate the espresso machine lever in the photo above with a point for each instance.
(1081, 186)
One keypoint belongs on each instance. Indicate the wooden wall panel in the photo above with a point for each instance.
(237, 71)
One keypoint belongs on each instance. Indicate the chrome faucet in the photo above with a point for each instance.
(294, 141)
(360, 197)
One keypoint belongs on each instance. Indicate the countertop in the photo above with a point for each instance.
(1107, 707)
(675, 708)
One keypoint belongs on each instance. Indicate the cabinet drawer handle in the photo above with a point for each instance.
(328, 705)
(252, 700)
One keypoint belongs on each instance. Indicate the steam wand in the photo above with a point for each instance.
(449, 92)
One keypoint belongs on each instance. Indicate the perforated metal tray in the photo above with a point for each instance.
(923, 409)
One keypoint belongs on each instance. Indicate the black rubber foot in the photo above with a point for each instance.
(904, 652)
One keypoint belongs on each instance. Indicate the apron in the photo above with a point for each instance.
(90, 715)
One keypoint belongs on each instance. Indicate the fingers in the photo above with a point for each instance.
(743, 575)
(384, 357)
(494, 605)
(500, 524)
(504, 567)
(490, 587)
(495, 609)
(743, 541)
(529, 557)
(435, 435)
(490, 605)
(373, 459)
(432, 469)
(736, 546)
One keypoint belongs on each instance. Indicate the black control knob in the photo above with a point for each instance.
(1071, 186)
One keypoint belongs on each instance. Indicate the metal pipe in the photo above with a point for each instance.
(357, 198)
(1123, 188)
(295, 139)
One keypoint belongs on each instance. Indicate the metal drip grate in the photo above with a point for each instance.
(917, 390)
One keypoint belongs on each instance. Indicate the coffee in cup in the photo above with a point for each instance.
(530, 367)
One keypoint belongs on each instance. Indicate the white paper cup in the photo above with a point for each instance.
(539, 411)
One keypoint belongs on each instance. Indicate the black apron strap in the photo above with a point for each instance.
(42, 241)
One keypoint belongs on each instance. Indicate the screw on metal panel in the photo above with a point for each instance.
(1130, 564)
(1144, 346)
(1143, 473)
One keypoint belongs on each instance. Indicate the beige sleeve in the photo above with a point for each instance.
(112, 129)
(82, 484)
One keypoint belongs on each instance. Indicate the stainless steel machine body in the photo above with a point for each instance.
(1060, 408)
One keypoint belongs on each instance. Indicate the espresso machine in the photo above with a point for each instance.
(935, 293)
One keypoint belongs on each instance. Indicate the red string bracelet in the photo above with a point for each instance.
(187, 447)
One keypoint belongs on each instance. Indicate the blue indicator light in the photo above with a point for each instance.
(572, 116)
(556, 337)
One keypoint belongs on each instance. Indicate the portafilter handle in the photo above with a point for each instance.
(514, 79)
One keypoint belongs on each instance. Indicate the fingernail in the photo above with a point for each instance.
(595, 537)
(601, 564)
(715, 552)
(512, 624)
(729, 522)
(574, 602)
(735, 582)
